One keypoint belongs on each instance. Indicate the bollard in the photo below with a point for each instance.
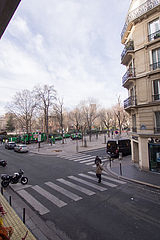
(10, 200)
(24, 215)
(105, 139)
(120, 163)
(85, 142)
(2, 190)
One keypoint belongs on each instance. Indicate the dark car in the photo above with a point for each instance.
(114, 147)
(10, 145)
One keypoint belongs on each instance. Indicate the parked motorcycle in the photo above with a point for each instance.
(3, 163)
(13, 179)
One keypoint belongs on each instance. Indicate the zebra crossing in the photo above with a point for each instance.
(82, 158)
(65, 191)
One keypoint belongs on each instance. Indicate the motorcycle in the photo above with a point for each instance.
(13, 179)
(3, 163)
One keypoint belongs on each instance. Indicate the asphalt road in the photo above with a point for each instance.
(119, 211)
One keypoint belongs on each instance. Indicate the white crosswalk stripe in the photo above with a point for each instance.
(109, 178)
(33, 202)
(77, 187)
(88, 183)
(89, 160)
(49, 196)
(94, 179)
(50, 190)
(63, 191)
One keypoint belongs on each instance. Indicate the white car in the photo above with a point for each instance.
(21, 148)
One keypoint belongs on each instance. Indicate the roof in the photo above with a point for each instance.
(7, 9)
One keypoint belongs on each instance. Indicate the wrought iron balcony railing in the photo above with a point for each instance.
(154, 66)
(130, 102)
(142, 9)
(156, 97)
(157, 130)
(129, 74)
(129, 46)
(154, 36)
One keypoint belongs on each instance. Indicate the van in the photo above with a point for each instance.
(115, 146)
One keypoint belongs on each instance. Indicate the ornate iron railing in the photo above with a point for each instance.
(130, 102)
(154, 36)
(142, 9)
(129, 74)
(129, 46)
(154, 66)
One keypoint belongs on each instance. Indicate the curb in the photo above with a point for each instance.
(131, 179)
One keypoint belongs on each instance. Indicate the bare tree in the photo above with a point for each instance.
(120, 114)
(46, 96)
(90, 113)
(106, 117)
(22, 107)
(58, 109)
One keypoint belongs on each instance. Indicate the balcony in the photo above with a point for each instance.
(127, 53)
(154, 36)
(130, 102)
(156, 97)
(136, 13)
(129, 75)
(157, 130)
(155, 66)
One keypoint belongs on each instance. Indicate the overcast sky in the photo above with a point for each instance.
(73, 44)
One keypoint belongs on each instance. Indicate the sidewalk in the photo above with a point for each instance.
(132, 172)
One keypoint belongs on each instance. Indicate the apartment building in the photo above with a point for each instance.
(141, 56)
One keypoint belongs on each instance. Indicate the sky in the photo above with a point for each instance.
(74, 45)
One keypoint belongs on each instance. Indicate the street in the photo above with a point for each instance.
(63, 190)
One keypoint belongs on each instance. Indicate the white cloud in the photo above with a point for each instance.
(72, 44)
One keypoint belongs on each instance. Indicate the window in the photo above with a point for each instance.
(154, 29)
(157, 122)
(155, 59)
(134, 128)
(156, 90)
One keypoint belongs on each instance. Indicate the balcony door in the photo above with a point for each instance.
(155, 59)
(157, 122)
(154, 28)
(156, 90)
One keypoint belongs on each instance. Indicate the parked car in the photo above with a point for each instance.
(114, 147)
(21, 148)
(10, 145)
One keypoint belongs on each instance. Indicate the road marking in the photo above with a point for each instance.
(109, 178)
(90, 163)
(94, 179)
(103, 160)
(33, 202)
(79, 157)
(87, 183)
(19, 186)
(49, 196)
(84, 158)
(63, 191)
(77, 187)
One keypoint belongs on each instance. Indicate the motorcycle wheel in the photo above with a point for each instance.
(24, 180)
(4, 164)
(4, 183)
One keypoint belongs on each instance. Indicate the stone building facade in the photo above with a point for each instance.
(141, 56)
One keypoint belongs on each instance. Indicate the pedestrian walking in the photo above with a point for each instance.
(99, 169)
(98, 160)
